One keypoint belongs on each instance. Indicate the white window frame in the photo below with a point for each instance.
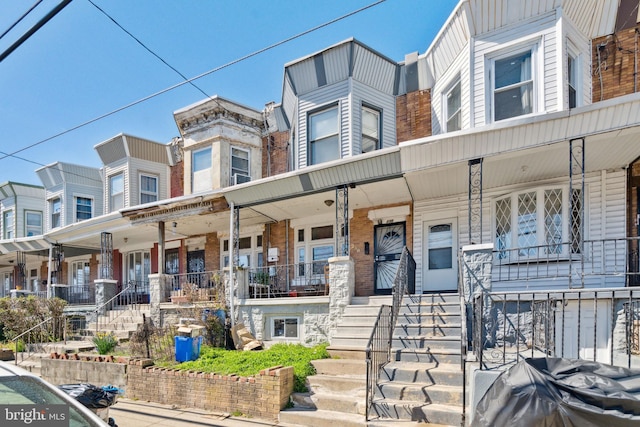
(285, 319)
(573, 81)
(536, 76)
(56, 216)
(446, 114)
(304, 249)
(130, 271)
(378, 113)
(75, 207)
(254, 254)
(233, 171)
(508, 251)
(26, 223)
(8, 227)
(143, 192)
(85, 266)
(201, 179)
(113, 195)
(324, 138)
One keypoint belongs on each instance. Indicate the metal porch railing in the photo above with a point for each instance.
(200, 286)
(290, 280)
(378, 352)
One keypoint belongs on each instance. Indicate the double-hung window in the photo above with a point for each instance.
(116, 192)
(513, 85)
(370, 129)
(84, 208)
(239, 166)
(573, 80)
(324, 141)
(33, 226)
(148, 188)
(201, 170)
(7, 224)
(537, 223)
(452, 104)
(56, 208)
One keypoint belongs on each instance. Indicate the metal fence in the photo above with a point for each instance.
(290, 280)
(84, 294)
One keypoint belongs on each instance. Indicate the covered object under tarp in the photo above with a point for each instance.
(556, 392)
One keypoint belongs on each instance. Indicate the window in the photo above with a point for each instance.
(138, 266)
(535, 223)
(312, 254)
(284, 327)
(83, 208)
(201, 170)
(324, 144)
(573, 80)
(80, 273)
(33, 223)
(250, 248)
(7, 225)
(239, 166)
(56, 208)
(513, 93)
(370, 129)
(148, 189)
(116, 192)
(452, 104)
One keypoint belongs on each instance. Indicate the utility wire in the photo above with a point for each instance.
(177, 85)
(148, 49)
(21, 18)
(43, 165)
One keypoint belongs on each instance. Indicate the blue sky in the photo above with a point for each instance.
(80, 65)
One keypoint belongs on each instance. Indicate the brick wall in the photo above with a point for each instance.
(212, 252)
(262, 396)
(413, 115)
(277, 239)
(176, 180)
(615, 65)
(275, 151)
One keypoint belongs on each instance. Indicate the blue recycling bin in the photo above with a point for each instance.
(187, 348)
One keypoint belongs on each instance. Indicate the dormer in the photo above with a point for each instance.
(135, 171)
(21, 210)
(222, 144)
(339, 103)
(523, 62)
(73, 193)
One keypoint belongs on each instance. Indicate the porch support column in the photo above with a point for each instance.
(576, 211)
(105, 290)
(234, 232)
(341, 290)
(21, 264)
(161, 247)
(158, 293)
(106, 256)
(342, 221)
(475, 201)
(476, 284)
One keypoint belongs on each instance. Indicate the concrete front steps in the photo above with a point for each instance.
(424, 381)
(122, 323)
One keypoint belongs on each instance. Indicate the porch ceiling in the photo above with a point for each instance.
(605, 151)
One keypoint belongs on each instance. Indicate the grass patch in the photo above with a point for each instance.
(249, 363)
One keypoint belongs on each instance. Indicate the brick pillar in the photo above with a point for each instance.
(158, 293)
(105, 290)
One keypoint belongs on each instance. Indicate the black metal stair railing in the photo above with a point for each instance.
(378, 352)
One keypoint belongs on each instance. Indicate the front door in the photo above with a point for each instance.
(440, 262)
(195, 264)
(389, 240)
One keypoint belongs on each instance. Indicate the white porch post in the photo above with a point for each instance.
(49, 271)
(232, 264)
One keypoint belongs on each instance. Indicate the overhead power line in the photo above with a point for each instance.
(177, 85)
(24, 15)
(53, 12)
(147, 48)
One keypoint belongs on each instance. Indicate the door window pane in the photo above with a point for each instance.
(440, 247)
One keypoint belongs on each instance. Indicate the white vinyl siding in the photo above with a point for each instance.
(459, 71)
(384, 103)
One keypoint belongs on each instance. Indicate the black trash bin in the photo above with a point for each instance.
(97, 399)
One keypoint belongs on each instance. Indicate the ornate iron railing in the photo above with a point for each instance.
(200, 286)
(290, 280)
(378, 352)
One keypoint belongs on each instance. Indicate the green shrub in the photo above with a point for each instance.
(250, 363)
(105, 342)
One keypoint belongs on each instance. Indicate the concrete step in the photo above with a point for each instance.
(423, 355)
(330, 402)
(347, 352)
(433, 298)
(418, 411)
(423, 373)
(340, 366)
(434, 393)
(439, 318)
(321, 418)
(349, 342)
(376, 300)
(352, 385)
(429, 307)
(129, 326)
(428, 329)
(429, 342)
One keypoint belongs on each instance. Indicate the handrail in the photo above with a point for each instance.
(31, 329)
(130, 301)
(463, 334)
(378, 351)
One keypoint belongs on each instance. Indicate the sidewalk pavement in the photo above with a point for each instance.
(136, 413)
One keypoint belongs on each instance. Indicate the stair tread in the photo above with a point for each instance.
(426, 350)
(429, 337)
(427, 387)
(445, 367)
(435, 406)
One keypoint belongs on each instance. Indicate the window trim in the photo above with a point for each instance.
(377, 111)
(58, 215)
(86, 264)
(457, 81)
(253, 252)
(26, 222)
(142, 192)
(75, 207)
(512, 252)
(576, 55)
(112, 194)
(9, 232)
(193, 172)
(310, 142)
(284, 337)
(532, 46)
(231, 168)
(306, 246)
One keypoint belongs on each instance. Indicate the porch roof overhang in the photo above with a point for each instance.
(524, 150)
